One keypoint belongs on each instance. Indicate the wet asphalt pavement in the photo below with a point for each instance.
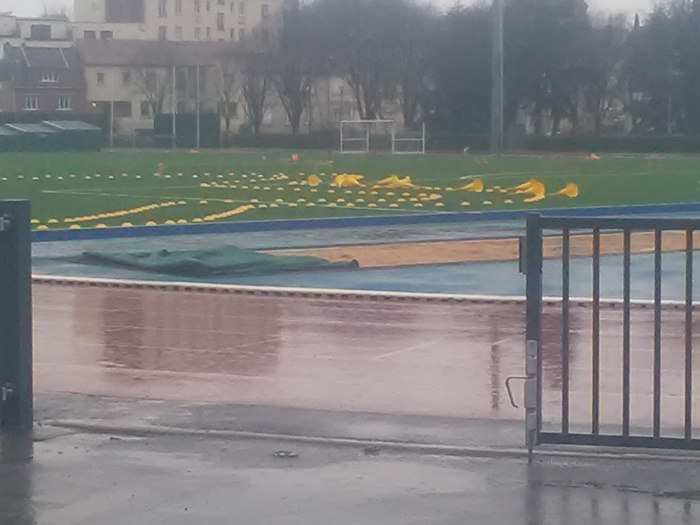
(65, 476)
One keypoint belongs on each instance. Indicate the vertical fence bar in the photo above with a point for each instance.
(688, 426)
(626, 263)
(565, 282)
(595, 409)
(657, 333)
(533, 326)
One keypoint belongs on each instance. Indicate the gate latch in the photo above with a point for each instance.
(5, 223)
(7, 391)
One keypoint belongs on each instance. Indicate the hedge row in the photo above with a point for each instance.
(616, 144)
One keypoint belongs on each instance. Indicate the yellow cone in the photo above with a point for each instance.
(313, 180)
(477, 185)
(570, 190)
(394, 182)
(525, 186)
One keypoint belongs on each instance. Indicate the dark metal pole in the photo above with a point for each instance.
(16, 390)
(198, 113)
(173, 106)
(565, 285)
(497, 79)
(595, 409)
(533, 331)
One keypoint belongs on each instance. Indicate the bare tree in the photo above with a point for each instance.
(255, 85)
(295, 62)
(362, 39)
(601, 86)
(228, 89)
(154, 83)
(414, 61)
(54, 9)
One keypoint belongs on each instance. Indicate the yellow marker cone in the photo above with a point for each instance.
(313, 180)
(477, 185)
(394, 182)
(570, 190)
(524, 186)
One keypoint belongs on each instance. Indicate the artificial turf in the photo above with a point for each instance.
(140, 187)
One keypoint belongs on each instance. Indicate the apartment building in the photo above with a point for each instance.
(180, 20)
(44, 79)
(131, 81)
(54, 31)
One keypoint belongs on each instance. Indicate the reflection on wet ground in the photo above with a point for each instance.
(87, 479)
(345, 354)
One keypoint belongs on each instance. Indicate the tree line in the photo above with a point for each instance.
(566, 69)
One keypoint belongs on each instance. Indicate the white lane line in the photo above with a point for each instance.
(402, 351)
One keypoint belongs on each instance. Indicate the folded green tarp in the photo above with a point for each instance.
(221, 260)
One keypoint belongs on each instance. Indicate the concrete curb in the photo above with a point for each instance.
(332, 293)
(391, 446)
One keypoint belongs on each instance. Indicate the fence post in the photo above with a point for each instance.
(533, 357)
(16, 392)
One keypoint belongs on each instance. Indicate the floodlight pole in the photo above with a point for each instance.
(173, 106)
(198, 112)
(111, 123)
(497, 84)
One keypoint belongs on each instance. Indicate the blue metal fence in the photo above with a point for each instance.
(565, 228)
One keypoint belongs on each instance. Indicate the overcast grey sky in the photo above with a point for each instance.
(34, 7)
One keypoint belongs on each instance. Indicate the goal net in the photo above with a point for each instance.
(370, 136)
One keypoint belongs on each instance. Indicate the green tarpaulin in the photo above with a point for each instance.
(221, 260)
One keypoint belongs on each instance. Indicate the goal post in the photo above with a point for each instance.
(409, 141)
(369, 136)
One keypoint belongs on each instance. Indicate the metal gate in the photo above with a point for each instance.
(548, 244)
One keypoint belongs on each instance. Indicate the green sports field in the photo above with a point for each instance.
(155, 187)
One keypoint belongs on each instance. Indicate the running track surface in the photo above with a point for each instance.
(345, 354)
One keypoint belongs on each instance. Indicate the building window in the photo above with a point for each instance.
(40, 32)
(178, 33)
(197, 33)
(208, 5)
(100, 79)
(162, 33)
(220, 21)
(178, 7)
(122, 108)
(163, 8)
(241, 8)
(197, 6)
(265, 35)
(233, 34)
(265, 11)
(208, 33)
(65, 103)
(31, 102)
(151, 81)
(126, 78)
(233, 6)
(241, 33)
(49, 76)
(229, 108)
(107, 35)
(145, 109)
(89, 34)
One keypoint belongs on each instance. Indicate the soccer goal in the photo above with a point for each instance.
(369, 136)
